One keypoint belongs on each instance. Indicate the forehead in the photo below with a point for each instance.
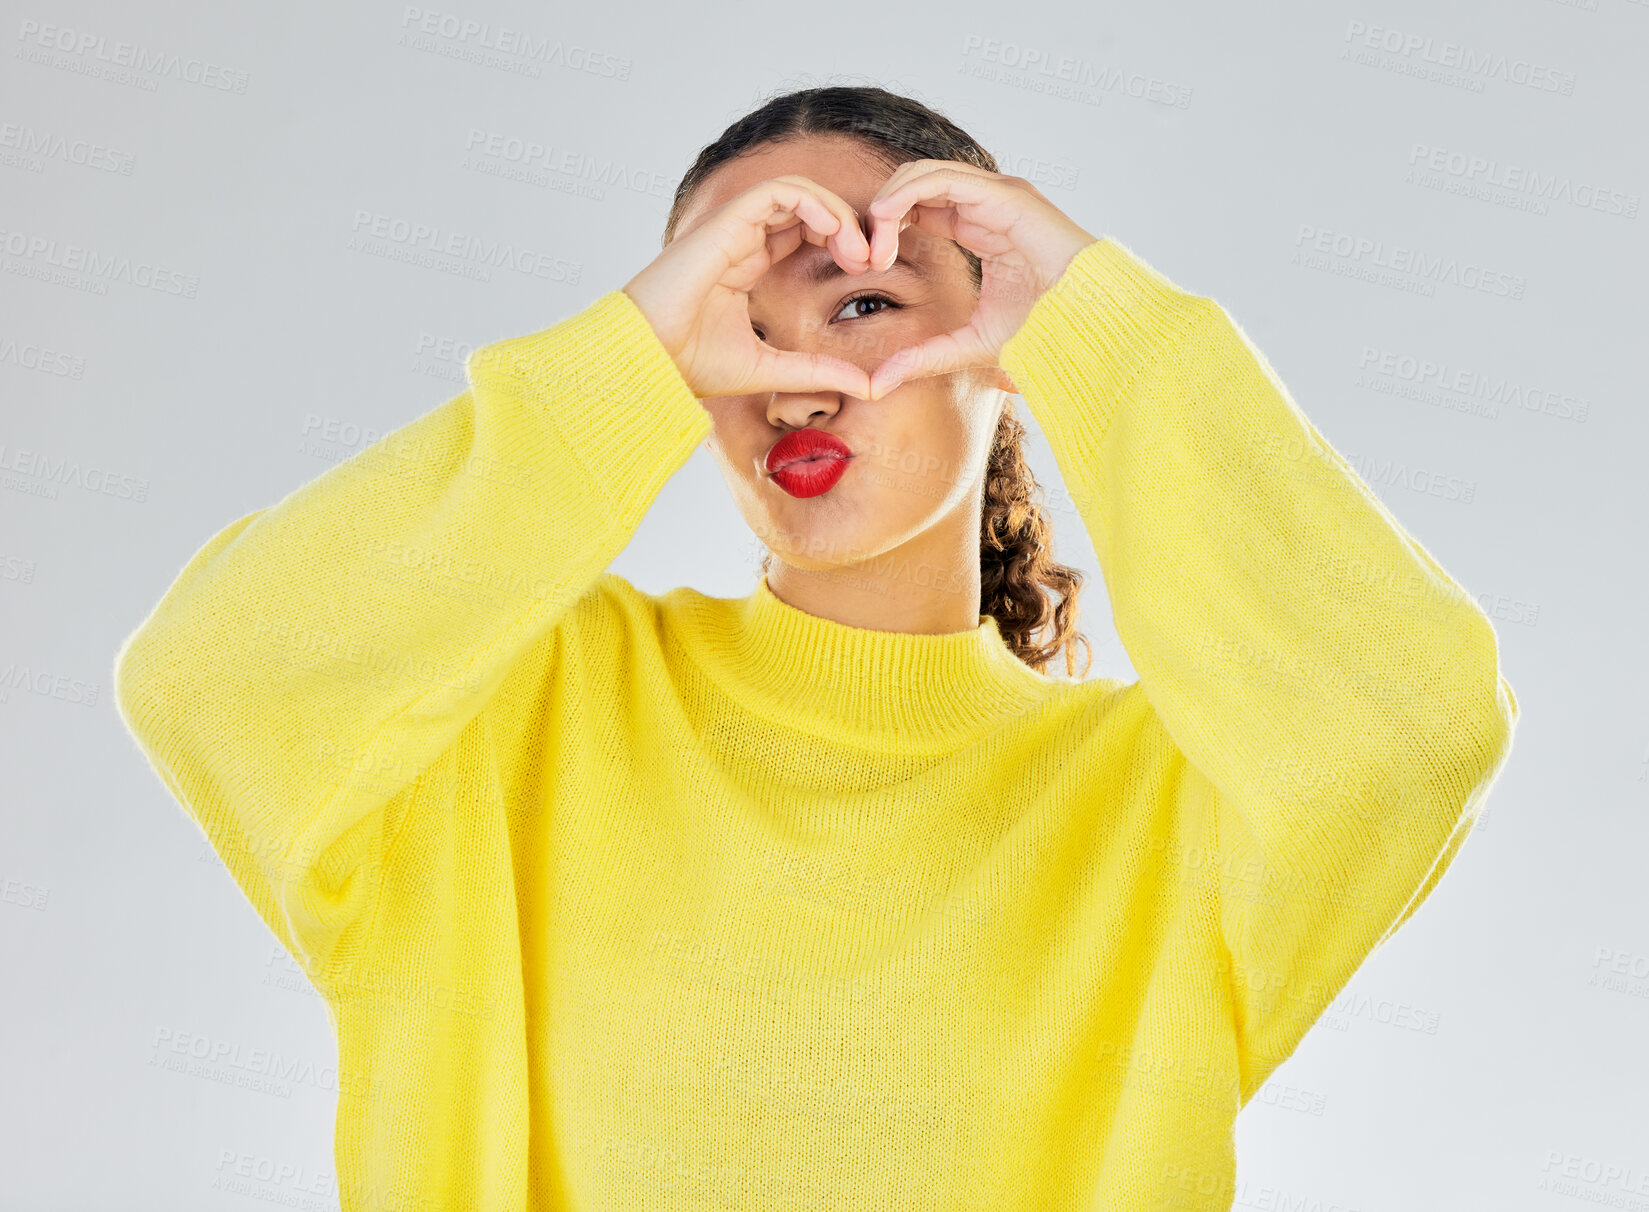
(840, 164)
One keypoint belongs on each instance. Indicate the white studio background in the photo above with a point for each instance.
(1427, 216)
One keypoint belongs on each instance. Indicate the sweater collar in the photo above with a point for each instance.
(858, 683)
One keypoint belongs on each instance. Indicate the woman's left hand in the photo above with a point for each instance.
(1023, 242)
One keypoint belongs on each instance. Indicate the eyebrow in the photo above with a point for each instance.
(825, 269)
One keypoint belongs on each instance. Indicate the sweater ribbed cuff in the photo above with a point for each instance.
(612, 395)
(1091, 334)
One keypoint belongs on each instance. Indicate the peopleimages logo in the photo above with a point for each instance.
(43, 359)
(520, 156)
(1456, 57)
(86, 268)
(453, 251)
(1425, 379)
(474, 39)
(1515, 178)
(1377, 255)
(263, 1069)
(1026, 64)
(29, 144)
(48, 473)
(43, 40)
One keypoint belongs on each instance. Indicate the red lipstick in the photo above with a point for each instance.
(807, 462)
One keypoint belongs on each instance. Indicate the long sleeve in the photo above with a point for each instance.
(1335, 695)
(316, 657)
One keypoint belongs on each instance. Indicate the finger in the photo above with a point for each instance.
(885, 228)
(790, 205)
(949, 184)
(937, 355)
(916, 168)
(783, 242)
(884, 237)
(884, 231)
(850, 246)
(888, 246)
(937, 195)
(846, 240)
(884, 241)
(779, 370)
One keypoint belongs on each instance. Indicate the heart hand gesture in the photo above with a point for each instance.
(1023, 241)
(696, 293)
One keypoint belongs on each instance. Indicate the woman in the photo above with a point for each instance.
(830, 895)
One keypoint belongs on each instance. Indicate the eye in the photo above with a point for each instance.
(868, 296)
(861, 297)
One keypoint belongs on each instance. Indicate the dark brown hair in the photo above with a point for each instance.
(1016, 564)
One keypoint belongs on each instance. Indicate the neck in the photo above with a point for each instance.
(893, 685)
(934, 590)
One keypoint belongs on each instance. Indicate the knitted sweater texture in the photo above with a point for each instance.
(632, 901)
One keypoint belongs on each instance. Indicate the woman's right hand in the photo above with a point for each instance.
(696, 293)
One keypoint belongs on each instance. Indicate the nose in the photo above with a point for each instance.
(804, 335)
(798, 409)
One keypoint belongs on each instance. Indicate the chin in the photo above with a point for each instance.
(819, 549)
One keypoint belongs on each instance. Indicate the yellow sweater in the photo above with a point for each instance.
(632, 901)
